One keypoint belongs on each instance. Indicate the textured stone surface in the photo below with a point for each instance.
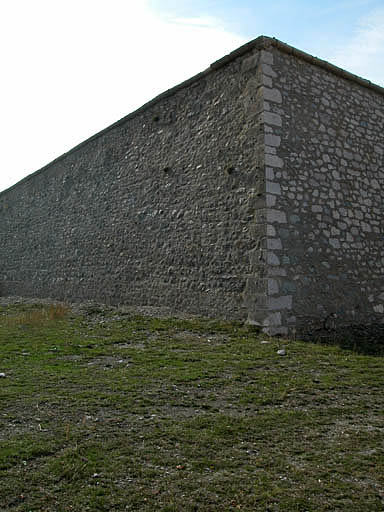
(254, 190)
(330, 188)
(157, 211)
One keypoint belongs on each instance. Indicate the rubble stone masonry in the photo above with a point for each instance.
(252, 191)
(324, 147)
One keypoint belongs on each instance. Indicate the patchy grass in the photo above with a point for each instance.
(108, 412)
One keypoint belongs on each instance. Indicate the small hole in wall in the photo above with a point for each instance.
(166, 169)
(156, 119)
(230, 169)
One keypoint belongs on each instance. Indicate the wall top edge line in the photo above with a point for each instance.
(260, 43)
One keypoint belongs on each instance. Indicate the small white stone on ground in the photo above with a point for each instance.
(281, 352)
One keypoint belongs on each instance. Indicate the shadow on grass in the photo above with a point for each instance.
(362, 339)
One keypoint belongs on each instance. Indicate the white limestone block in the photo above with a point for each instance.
(276, 216)
(273, 119)
(273, 95)
(273, 161)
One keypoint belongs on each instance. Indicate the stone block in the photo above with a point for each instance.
(272, 119)
(272, 259)
(274, 244)
(267, 70)
(283, 302)
(273, 286)
(273, 319)
(273, 95)
(272, 140)
(250, 63)
(267, 81)
(276, 216)
(273, 161)
(266, 57)
(273, 188)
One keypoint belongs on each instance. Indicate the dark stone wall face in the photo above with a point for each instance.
(325, 173)
(159, 210)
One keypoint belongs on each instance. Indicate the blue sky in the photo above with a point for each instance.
(320, 24)
(69, 69)
(329, 29)
(280, 18)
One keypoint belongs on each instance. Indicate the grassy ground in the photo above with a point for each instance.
(111, 412)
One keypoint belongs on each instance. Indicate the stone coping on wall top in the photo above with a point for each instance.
(260, 43)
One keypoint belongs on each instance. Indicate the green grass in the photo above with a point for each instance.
(112, 412)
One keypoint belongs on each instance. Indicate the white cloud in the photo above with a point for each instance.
(364, 54)
(69, 69)
(204, 21)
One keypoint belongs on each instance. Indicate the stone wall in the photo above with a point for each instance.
(325, 186)
(252, 191)
(156, 210)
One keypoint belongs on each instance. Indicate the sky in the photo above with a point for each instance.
(71, 68)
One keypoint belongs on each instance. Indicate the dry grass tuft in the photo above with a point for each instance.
(39, 317)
